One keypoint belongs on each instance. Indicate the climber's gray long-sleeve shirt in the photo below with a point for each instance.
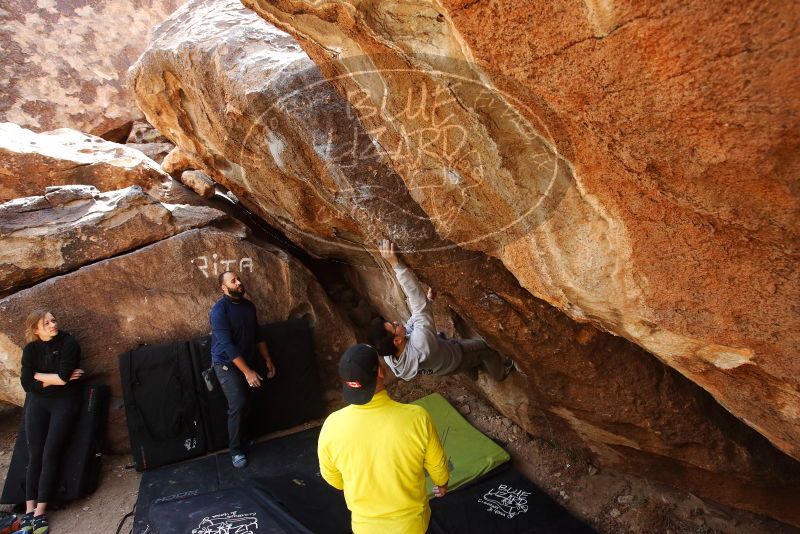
(425, 352)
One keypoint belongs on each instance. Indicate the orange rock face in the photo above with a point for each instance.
(64, 63)
(668, 133)
(463, 192)
(199, 182)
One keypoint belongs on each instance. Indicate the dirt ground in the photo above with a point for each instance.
(612, 502)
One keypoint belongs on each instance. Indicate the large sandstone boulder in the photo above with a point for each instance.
(258, 65)
(149, 141)
(71, 226)
(30, 162)
(634, 165)
(64, 63)
(142, 132)
(155, 151)
(163, 293)
(244, 104)
(199, 182)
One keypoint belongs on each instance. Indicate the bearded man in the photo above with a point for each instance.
(235, 349)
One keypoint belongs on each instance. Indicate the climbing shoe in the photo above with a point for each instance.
(40, 525)
(239, 461)
(8, 523)
(25, 524)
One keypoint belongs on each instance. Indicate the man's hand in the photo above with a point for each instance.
(431, 294)
(253, 379)
(264, 351)
(77, 374)
(270, 367)
(389, 252)
(439, 491)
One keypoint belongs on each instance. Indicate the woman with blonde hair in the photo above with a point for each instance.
(50, 369)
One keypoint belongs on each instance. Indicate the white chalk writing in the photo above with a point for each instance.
(177, 496)
(217, 265)
(230, 523)
(505, 501)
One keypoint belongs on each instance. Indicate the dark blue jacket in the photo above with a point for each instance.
(234, 331)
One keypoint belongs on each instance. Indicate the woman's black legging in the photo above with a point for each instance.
(48, 421)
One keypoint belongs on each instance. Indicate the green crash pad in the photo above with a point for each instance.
(470, 453)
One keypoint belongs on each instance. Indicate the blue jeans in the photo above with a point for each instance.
(236, 390)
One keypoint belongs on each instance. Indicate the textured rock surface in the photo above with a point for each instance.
(199, 182)
(265, 61)
(178, 161)
(155, 151)
(71, 226)
(162, 293)
(668, 134)
(64, 63)
(143, 132)
(249, 107)
(30, 162)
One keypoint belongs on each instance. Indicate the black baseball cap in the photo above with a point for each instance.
(358, 369)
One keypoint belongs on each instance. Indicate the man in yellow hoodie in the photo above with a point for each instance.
(376, 449)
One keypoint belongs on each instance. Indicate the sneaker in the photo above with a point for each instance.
(25, 524)
(239, 462)
(40, 525)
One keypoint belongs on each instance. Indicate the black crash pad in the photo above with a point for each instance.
(285, 472)
(285, 468)
(316, 504)
(172, 482)
(504, 502)
(172, 416)
(288, 470)
(292, 454)
(234, 510)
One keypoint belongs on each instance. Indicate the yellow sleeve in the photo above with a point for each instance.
(326, 466)
(435, 457)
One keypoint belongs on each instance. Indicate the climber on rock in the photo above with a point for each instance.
(415, 347)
